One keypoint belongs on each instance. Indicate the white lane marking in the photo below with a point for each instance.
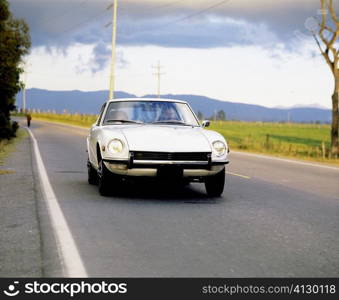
(239, 175)
(69, 252)
(286, 160)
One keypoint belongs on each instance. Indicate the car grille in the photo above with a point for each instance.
(167, 156)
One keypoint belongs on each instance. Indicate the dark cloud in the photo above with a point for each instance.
(149, 22)
(61, 23)
(203, 34)
(164, 22)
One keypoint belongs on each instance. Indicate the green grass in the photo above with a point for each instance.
(72, 119)
(301, 141)
(305, 141)
(8, 146)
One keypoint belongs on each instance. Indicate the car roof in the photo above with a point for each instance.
(147, 99)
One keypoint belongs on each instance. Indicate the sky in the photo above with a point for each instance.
(249, 51)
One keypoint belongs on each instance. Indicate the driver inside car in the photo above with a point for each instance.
(117, 115)
(169, 113)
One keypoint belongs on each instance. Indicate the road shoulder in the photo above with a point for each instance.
(20, 242)
(28, 246)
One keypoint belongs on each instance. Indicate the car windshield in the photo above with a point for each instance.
(149, 112)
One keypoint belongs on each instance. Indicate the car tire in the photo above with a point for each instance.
(92, 174)
(104, 180)
(186, 182)
(215, 184)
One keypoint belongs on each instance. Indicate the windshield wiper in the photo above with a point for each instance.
(124, 121)
(171, 122)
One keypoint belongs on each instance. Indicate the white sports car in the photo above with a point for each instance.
(154, 138)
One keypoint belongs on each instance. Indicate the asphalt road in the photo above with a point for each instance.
(275, 218)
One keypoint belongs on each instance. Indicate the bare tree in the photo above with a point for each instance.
(327, 39)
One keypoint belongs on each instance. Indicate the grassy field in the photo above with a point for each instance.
(306, 141)
(72, 119)
(6, 147)
(302, 141)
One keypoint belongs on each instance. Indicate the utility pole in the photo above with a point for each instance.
(24, 89)
(114, 33)
(24, 96)
(158, 74)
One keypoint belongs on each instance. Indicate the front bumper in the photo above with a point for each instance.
(149, 168)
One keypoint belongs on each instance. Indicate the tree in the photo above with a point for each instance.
(14, 44)
(200, 115)
(221, 116)
(327, 38)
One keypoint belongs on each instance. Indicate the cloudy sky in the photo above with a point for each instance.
(250, 51)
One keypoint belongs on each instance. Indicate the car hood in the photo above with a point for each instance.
(165, 138)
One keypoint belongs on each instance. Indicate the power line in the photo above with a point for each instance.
(154, 8)
(198, 12)
(68, 11)
(168, 4)
(102, 12)
(192, 15)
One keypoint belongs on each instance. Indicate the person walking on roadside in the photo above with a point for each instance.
(29, 118)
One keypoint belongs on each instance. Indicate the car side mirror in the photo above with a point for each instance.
(206, 123)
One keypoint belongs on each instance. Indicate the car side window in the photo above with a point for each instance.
(101, 113)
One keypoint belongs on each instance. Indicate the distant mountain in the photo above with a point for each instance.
(90, 103)
(250, 112)
(72, 101)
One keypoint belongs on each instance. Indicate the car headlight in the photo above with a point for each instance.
(219, 148)
(115, 146)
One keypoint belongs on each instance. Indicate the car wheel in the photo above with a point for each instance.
(215, 184)
(92, 174)
(186, 182)
(104, 179)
